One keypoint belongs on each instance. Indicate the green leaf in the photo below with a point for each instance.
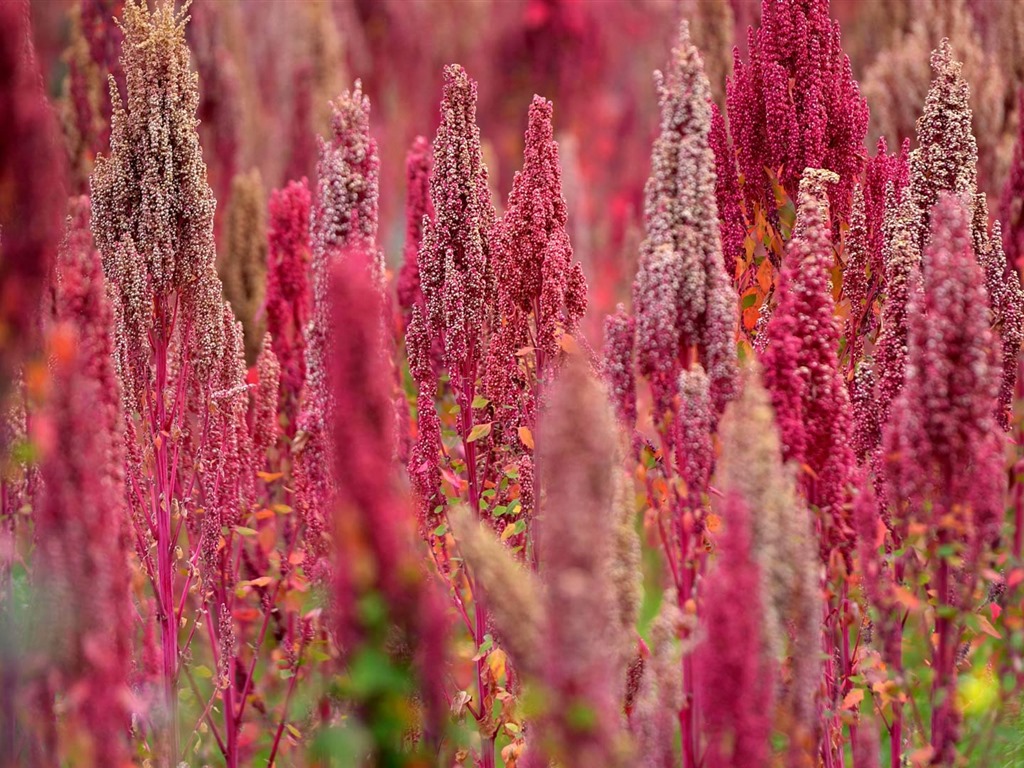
(484, 648)
(480, 402)
(243, 531)
(479, 431)
(202, 671)
(441, 530)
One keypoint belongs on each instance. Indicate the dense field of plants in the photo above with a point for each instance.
(314, 458)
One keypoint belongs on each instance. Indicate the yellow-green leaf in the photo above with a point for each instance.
(479, 431)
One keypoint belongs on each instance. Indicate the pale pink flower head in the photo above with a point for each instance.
(946, 157)
(683, 299)
(346, 199)
(943, 444)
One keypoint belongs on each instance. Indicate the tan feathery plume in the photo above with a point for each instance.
(514, 595)
(243, 266)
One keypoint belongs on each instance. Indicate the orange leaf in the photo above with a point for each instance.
(526, 436)
(853, 699)
(988, 629)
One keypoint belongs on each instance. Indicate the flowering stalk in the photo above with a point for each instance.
(81, 528)
(812, 403)
(685, 310)
(374, 521)
(288, 300)
(947, 467)
(189, 455)
(344, 215)
(30, 157)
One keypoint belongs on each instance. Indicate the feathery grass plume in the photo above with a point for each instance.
(1011, 204)
(419, 162)
(576, 537)
(380, 585)
(654, 721)
(456, 274)
(32, 173)
(736, 675)
(288, 294)
(945, 452)
(243, 267)
(344, 217)
(751, 469)
(946, 157)
(731, 224)
(683, 299)
(801, 365)
(81, 526)
(625, 571)
(515, 595)
(795, 104)
(617, 366)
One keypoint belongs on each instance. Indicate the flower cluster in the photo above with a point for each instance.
(542, 293)
(419, 163)
(288, 294)
(683, 299)
(800, 361)
(456, 273)
(343, 218)
(795, 104)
